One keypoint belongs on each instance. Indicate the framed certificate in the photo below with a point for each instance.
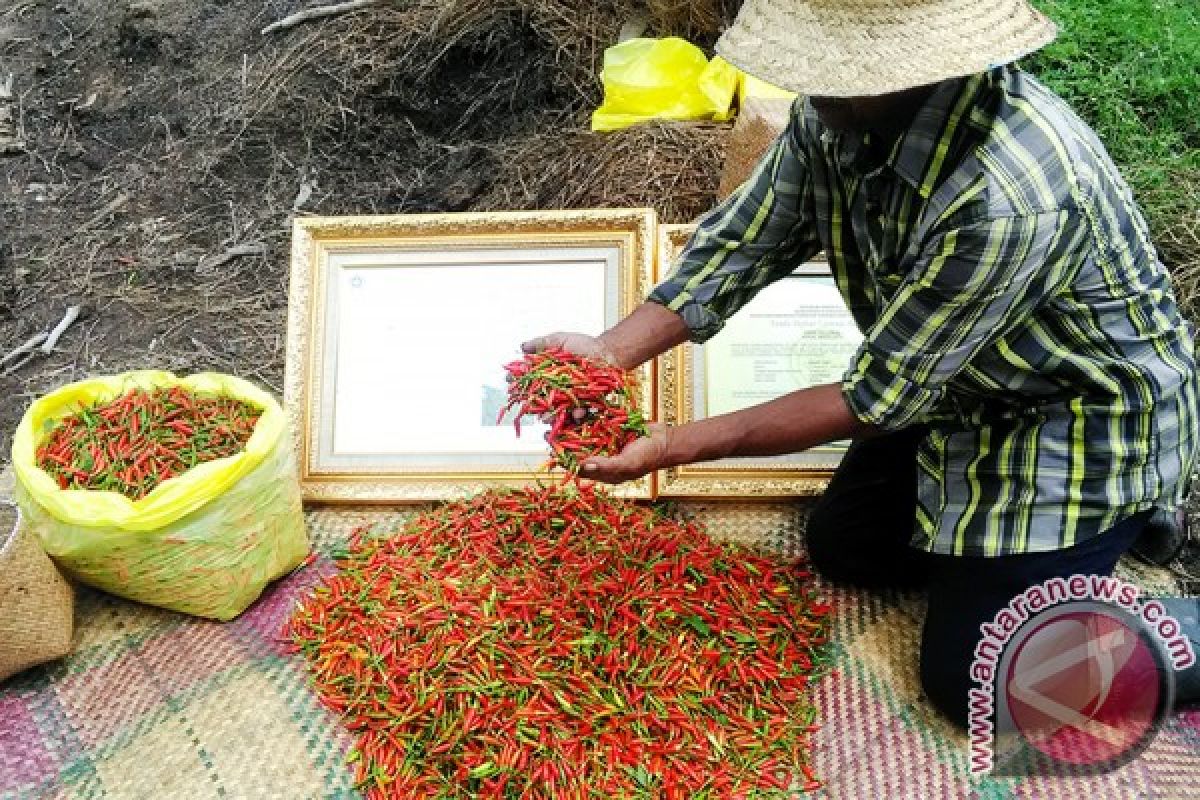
(795, 333)
(399, 328)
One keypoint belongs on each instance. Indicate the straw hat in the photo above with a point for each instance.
(852, 48)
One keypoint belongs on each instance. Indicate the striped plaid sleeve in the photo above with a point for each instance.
(975, 284)
(758, 235)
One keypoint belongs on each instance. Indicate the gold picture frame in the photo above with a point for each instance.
(398, 328)
(684, 387)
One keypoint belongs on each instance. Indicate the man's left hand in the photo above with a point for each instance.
(641, 457)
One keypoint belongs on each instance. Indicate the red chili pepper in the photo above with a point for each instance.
(540, 642)
(136, 441)
(558, 383)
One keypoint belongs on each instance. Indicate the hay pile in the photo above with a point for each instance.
(672, 167)
(496, 95)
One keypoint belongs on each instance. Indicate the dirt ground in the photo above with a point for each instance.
(155, 136)
(160, 149)
(137, 168)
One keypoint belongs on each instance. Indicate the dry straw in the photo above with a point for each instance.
(36, 603)
(1180, 247)
(850, 48)
(673, 167)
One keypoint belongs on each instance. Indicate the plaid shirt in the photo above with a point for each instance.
(1010, 299)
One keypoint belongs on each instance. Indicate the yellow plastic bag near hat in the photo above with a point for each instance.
(670, 78)
(206, 542)
(752, 88)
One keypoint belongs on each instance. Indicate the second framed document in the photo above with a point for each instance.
(399, 328)
(795, 333)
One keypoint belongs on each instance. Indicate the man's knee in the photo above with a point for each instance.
(820, 539)
(947, 689)
(841, 549)
(856, 544)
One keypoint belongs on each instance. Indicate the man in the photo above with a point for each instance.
(1026, 392)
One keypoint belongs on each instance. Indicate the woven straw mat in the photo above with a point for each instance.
(153, 704)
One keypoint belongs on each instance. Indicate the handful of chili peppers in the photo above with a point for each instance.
(135, 442)
(557, 383)
(556, 642)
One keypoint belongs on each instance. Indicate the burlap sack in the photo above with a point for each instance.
(36, 604)
(759, 123)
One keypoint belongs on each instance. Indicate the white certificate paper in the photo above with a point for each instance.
(794, 334)
(421, 348)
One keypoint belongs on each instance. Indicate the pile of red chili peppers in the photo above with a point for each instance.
(142, 438)
(556, 642)
(555, 383)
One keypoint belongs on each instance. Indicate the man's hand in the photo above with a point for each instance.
(581, 345)
(578, 343)
(641, 457)
(649, 331)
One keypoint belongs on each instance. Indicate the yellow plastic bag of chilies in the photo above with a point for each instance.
(670, 78)
(206, 542)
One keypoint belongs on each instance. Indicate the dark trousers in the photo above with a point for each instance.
(858, 533)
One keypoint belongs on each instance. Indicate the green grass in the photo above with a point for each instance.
(1130, 68)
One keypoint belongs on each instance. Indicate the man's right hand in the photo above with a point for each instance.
(581, 345)
(578, 343)
(649, 331)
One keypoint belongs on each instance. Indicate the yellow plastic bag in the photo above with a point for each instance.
(206, 542)
(750, 87)
(670, 78)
